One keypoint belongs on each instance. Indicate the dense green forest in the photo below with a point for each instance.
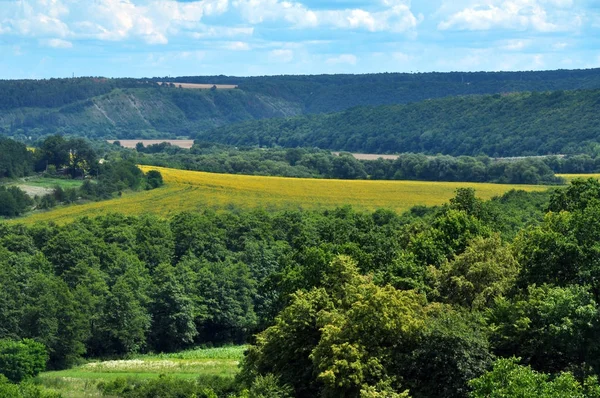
(559, 122)
(344, 303)
(140, 108)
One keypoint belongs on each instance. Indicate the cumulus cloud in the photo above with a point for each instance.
(152, 21)
(396, 15)
(538, 15)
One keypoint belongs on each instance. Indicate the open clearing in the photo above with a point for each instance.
(206, 86)
(187, 144)
(81, 381)
(196, 191)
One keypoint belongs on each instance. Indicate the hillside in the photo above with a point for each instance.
(147, 111)
(517, 124)
(140, 108)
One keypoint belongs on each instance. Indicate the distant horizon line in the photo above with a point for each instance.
(310, 74)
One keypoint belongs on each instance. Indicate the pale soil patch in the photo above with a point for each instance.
(33, 191)
(187, 144)
(197, 86)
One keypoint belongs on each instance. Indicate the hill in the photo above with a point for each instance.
(190, 190)
(519, 124)
(143, 108)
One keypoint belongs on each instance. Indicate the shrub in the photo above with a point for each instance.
(23, 359)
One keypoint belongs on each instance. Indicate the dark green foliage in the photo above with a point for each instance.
(15, 160)
(13, 201)
(553, 329)
(20, 360)
(154, 179)
(512, 125)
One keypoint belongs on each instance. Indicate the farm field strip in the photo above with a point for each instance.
(194, 191)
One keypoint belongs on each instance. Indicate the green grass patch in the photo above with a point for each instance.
(50, 182)
(81, 381)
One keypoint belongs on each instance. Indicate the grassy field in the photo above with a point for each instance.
(191, 190)
(81, 381)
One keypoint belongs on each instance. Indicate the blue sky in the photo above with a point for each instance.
(137, 38)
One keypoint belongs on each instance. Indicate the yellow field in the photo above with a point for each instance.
(571, 177)
(191, 190)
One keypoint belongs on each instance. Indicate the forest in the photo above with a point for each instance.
(469, 299)
(97, 107)
(525, 124)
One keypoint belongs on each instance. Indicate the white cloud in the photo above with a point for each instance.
(396, 17)
(342, 59)
(56, 43)
(237, 46)
(221, 32)
(152, 21)
(539, 15)
(281, 55)
(515, 45)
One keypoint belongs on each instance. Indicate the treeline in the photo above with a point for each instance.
(316, 163)
(559, 122)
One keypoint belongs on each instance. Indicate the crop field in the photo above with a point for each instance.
(193, 190)
(81, 381)
(571, 177)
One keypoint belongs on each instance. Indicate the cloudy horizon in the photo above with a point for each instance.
(143, 38)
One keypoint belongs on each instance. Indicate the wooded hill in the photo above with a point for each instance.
(140, 108)
(519, 124)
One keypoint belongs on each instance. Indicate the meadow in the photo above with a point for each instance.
(82, 381)
(196, 191)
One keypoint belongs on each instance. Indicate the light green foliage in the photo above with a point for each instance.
(508, 379)
(484, 271)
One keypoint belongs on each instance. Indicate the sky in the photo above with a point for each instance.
(147, 38)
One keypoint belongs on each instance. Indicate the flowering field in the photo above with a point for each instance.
(192, 190)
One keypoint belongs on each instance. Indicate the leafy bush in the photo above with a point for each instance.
(23, 359)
